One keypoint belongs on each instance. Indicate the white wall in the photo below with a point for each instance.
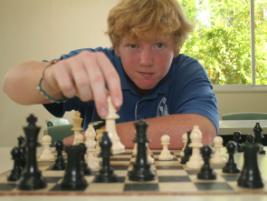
(45, 29)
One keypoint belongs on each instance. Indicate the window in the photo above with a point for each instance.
(230, 39)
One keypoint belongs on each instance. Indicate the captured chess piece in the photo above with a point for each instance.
(106, 173)
(237, 138)
(74, 176)
(230, 166)
(59, 162)
(141, 168)
(206, 172)
(32, 176)
(258, 137)
(15, 173)
(250, 176)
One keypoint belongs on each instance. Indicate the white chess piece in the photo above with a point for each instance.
(165, 154)
(91, 154)
(184, 141)
(196, 161)
(117, 146)
(150, 159)
(77, 128)
(47, 152)
(217, 158)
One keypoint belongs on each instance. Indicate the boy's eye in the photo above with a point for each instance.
(132, 46)
(159, 45)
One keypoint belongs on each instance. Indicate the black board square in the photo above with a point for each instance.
(52, 179)
(7, 186)
(121, 179)
(141, 187)
(209, 186)
(170, 167)
(57, 187)
(174, 179)
(230, 177)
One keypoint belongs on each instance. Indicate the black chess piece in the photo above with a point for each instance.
(141, 168)
(22, 149)
(16, 171)
(237, 139)
(250, 176)
(187, 150)
(106, 173)
(206, 172)
(74, 176)
(84, 164)
(32, 177)
(230, 166)
(258, 137)
(59, 162)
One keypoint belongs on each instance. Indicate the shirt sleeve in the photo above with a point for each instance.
(195, 93)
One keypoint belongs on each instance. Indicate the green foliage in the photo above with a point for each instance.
(221, 41)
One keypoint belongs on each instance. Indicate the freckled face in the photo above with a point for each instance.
(146, 63)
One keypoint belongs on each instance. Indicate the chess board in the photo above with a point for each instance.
(171, 179)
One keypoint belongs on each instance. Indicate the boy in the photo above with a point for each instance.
(143, 72)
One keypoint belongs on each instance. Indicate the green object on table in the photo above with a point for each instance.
(59, 128)
(244, 116)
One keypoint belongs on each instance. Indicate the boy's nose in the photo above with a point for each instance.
(146, 57)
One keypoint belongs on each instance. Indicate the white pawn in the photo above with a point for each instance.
(47, 152)
(165, 154)
(196, 161)
(91, 154)
(217, 158)
(150, 159)
(77, 122)
(184, 141)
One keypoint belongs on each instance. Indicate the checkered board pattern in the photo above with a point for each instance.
(171, 178)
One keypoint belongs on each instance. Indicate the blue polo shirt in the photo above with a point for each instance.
(185, 89)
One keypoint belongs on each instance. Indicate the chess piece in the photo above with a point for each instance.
(141, 169)
(187, 150)
(217, 158)
(206, 172)
(250, 176)
(59, 163)
(32, 176)
(77, 129)
(258, 137)
(165, 154)
(106, 173)
(22, 150)
(184, 141)
(91, 154)
(117, 146)
(84, 165)
(230, 166)
(16, 171)
(74, 176)
(150, 158)
(47, 152)
(195, 162)
(237, 140)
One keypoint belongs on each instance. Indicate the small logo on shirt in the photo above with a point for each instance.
(162, 109)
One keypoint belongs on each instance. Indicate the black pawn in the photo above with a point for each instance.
(258, 137)
(74, 176)
(106, 173)
(84, 165)
(237, 138)
(141, 168)
(187, 150)
(32, 176)
(230, 166)
(250, 176)
(22, 150)
(206, 172)
(59, 162)
(15, 173)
